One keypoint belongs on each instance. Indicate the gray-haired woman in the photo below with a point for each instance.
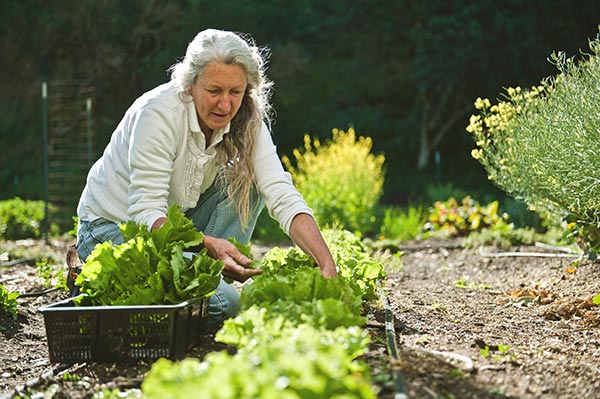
(201, 141)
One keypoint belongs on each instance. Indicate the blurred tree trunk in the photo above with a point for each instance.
(440, 109)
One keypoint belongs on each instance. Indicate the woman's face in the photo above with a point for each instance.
(217, 94)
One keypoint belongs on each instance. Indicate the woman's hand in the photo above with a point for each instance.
(306, 235)
(235, 262)
(329, 271)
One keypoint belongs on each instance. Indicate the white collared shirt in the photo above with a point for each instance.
(157, 157)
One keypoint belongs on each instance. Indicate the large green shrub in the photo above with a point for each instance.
(341, 179)
(21, 219)
(541, 144)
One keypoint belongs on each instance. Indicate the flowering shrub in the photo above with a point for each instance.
(540, 145)
(494, 131)
(451, 218)
(341, 180)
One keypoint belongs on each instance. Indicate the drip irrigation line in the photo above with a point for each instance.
(36, 381)
(16, 262)
(448, 357)
(390, 334)
(556, 248)
(38, 293)
(421, 247)
(485, 253)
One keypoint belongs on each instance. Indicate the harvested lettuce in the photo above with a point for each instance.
(149, 268)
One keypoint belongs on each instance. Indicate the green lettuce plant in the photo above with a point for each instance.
(149, 267)
(356, 265)
(304, 363)
(8, 302)
(298, 335)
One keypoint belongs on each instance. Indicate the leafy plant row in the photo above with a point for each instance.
(22, 219)
(299, 335)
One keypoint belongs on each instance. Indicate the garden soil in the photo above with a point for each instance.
(467, 323)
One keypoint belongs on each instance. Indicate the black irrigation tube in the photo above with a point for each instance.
(36, 381)
(390, 334)
(16, 262)
(39, 293)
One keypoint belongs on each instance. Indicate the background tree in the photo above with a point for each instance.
(405, 73)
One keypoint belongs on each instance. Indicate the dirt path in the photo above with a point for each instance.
(450, 304)
(543, 340)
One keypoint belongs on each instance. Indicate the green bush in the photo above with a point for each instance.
(21, 219)
(507, 236)
(540, 145)
(341, 180)
(402, 224)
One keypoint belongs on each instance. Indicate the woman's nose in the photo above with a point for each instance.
(224, 102)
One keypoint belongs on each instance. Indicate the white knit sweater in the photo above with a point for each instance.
(157, 157)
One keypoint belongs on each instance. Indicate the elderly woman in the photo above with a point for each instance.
(201, 141)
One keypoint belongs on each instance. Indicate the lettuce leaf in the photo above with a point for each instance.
(149, 267)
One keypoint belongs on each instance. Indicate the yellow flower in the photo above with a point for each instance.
(482, 103)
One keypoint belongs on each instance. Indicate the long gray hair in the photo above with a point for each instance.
(214, 45)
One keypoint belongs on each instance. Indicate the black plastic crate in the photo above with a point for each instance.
(122, 333)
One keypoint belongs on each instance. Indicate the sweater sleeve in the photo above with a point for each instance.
(275, 185)
(152, 150)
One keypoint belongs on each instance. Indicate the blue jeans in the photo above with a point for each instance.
(215, 217)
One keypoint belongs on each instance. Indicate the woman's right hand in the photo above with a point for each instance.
(235, 262)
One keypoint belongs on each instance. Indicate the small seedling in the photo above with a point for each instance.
(503, 355)
(436, 305)
(49, 274)
(485, 352)
(8, 302)
(44, 271)
(462, 282)
(465, 283)
(423, 340)
(457, 373)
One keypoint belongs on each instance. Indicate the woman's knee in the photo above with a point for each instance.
(93, 233)
(223, 304)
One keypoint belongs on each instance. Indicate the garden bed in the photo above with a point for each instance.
(467, 326)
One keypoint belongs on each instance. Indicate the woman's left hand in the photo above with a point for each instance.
(236, 264)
